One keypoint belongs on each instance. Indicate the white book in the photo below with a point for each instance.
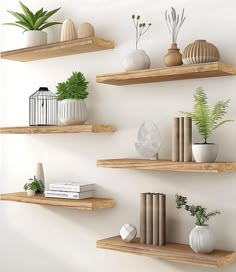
(69, 195)
(72, 187)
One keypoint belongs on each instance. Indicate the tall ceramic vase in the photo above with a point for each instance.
(173, 57)
(202, 239)
(39, 174)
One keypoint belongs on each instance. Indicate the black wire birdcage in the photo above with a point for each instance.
(43, 108)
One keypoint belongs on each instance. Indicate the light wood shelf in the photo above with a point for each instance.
(89, 128)
(203, 70)
(165, 165)
(58, 49)
(170, 252)
(82, 204)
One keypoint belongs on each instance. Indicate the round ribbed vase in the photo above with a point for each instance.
(202, 239)
(200, 52)
(136, 60)
(72, 111)
(173, 57)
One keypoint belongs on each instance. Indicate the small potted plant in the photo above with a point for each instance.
(71, 95)
(33, 187)
(137, 59)
(201, 238)
(33, 24)
(206, 120)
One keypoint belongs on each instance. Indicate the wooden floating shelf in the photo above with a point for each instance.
(165, 165)
(58, 129)
(203, 70)
(58, 49)
(170, 252)
(82, 204)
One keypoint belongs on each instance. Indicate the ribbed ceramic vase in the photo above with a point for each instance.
(72, 111)
(173, 57)
(136, 60)
(202, 239)
(68, 31)
(200, 52)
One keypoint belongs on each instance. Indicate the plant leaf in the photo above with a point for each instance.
(29, 14)
(14, 24)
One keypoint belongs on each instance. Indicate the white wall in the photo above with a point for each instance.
(38, 238)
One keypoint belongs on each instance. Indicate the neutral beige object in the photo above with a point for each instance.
(200, 52)
(85, 30)
(143, 218)
(82, 204)
(149, 219)
(162, 223)
(170, 252)
(213, 69)
(187, 139)
(175, 139)
(155, 219)
(173, 57)
(68, 31)
(181, 139)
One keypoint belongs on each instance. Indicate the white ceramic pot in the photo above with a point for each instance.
(205, 152)
(72, 111)
(34, 38)
(136, 60)
(30, 192)
(202, 239)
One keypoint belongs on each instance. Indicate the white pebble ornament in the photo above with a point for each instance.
(128, 232)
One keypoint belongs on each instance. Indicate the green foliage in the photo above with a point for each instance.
(206, 119)
(75, 87)
(198, 211)
(32, 21)
(140, 28)
(34, 185)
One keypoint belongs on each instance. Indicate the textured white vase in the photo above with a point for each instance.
(34, 38)
(72, 111)
(85, 30)
(202, 239)
(205, 152)
(68, 31)
(39, 174)
(30, 192)
(136, 60)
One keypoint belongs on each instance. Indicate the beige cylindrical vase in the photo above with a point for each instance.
(143, 218)
(156, 219)
(175, 139)
(149, 219)
(162, 225)
(187, 139)
(181, 139)
(173, 57)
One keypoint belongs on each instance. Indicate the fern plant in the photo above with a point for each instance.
(32, 21)
(207, 119)
(75, 87)
(199, 212)
(34, 185)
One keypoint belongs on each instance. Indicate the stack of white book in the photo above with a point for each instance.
(71, 190)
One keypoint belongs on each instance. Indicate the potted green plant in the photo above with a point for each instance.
(71, 95)
(33, 187)
(33, 24)
(206, 120)
(137, 59)
(201, 238)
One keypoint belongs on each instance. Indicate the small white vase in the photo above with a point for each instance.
(34, 38)
(39, 174)
(30, 192)
(136, 60)
(202, 239)
(72, 111)
(205, 152)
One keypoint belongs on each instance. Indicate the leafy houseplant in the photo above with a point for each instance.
(206, 120)
(33, 23)
(33, 187)
(137, 59)
(71, 94)
(201, 238)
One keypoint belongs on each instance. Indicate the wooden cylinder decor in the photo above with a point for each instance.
(149, 219)
(175, 139)
(143, 218)
(162, 231)
(181, 139)
(155, 219)
(187, 139)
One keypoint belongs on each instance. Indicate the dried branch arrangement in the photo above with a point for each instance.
(174, 22)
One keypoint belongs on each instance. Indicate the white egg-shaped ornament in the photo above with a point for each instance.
(128, 232)
(85, 30)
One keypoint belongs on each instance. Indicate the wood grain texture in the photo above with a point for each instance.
(165, 165)
(58, 129)
(58, 49)
(170, 252)
(203, 70)
(82, 204)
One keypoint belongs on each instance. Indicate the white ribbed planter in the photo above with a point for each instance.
(202, 239)
(136, 60)
(205, 152)
(72, 111)
(34, 38)
(30, 192)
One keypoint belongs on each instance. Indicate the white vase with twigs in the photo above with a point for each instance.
(137, 59)
(174, 22)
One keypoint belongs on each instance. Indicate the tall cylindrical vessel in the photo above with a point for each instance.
(39, 174)
(143, 218)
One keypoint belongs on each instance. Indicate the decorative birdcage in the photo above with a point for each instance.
(43, 108)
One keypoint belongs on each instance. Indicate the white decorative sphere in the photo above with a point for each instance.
(128, 232)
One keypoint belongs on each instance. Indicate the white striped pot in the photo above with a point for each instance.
(72, 111)
(200, 52)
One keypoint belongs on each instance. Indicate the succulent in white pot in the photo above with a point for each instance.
(206, 120)
(71, 95)
(33, 187)
(201, 238)
(33, 24)
(137, 59)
